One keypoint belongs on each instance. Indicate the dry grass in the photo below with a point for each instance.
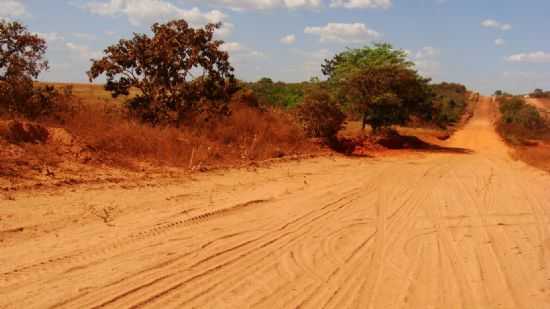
(248, 134)
(99, 127)
(535, 155)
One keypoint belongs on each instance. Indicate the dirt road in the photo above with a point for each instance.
(464, 227)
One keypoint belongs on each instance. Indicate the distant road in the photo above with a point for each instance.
(466, 227)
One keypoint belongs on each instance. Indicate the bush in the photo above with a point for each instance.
(449, 104)
(515, 111)
(520, 121)
(540, 94)
(320, 116)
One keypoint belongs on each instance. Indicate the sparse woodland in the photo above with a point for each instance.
(172, 98)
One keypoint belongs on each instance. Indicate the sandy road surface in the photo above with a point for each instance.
(453, 229)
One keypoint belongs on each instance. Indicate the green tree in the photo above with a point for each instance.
(379, 84)
(179, 72)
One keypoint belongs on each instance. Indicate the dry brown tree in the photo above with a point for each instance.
(21, 61)
(179, 73)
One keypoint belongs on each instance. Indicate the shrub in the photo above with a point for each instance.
(520, 121)
(540, 94)
(319, 115)
(449, 103)
(516, 111)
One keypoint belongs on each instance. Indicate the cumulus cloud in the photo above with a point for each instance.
(12, 9)
(533, 57)
(288, 39)
(499, 42)
(363, 4)
(343, 33)
(141, 12)
(491, 23)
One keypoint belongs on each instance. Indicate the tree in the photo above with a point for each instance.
(498, 93)
(538, 93)
(379, 84)
(21, 61)
(180, 72)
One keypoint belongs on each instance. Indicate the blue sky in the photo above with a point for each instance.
(484, 44)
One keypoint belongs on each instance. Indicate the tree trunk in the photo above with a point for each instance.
(364, 121)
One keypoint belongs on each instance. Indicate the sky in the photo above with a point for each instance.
(484, 44)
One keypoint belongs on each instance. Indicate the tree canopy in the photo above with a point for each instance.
(21, 52)
(380, 84)
(179, 72)
(21, 62)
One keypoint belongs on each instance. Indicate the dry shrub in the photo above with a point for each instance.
(247, 134)
(251, 133)
(520, 122)
(18, 132)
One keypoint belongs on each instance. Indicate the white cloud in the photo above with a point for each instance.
(426, 53)
(288, 40)
(239, 5)
(491, 23)
(50, 37)
(12, 9)
(426, 60)
(141, 12)
(82, 51)
(237, 49)
(84, 36)
(343, 33)
(309, 62)
(533, 57)
(500, 42)
(363, 4)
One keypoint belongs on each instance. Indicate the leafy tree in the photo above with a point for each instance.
(498, 93)
(353, 60)
(22, 61)
(380, 84)
(539, 93)
(179, 72)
